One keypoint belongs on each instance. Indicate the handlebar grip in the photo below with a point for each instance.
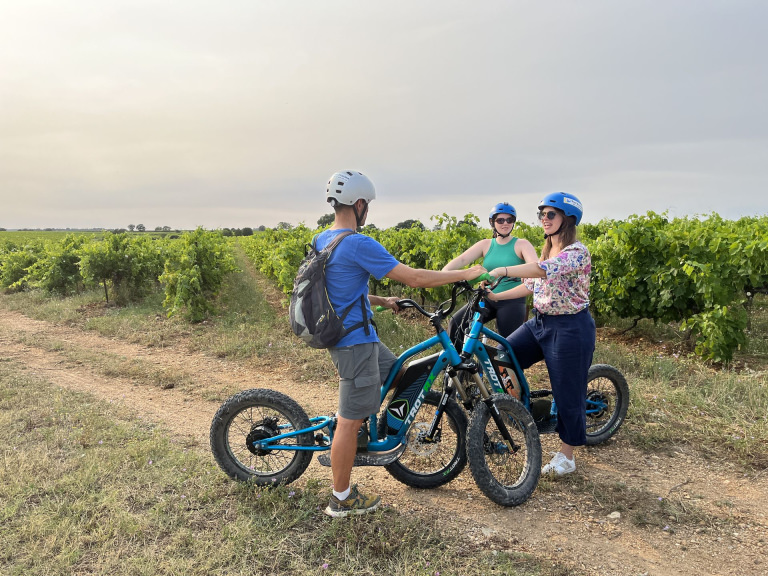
(483, 277)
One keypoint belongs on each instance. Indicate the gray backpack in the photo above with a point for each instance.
(313, 318)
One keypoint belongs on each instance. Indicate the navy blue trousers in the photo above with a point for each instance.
(566, 343)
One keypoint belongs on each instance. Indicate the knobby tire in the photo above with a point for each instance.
(507, 478)
(605, 384)
(259, 414)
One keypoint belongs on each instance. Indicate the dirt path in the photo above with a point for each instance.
(566, 522)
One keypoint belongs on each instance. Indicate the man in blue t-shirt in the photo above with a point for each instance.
(361, 360)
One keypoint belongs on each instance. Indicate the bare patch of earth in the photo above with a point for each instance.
(718, 523)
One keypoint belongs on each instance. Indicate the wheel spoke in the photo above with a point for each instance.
(607, 402)
(431, 463)
(244, 422)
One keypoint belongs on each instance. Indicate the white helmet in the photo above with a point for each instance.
(348, 187)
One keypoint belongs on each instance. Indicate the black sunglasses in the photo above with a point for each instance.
(509, 220)
(548, 215)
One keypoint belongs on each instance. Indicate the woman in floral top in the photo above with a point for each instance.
(562, 333)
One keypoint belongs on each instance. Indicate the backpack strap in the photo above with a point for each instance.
(365, 323)
(366, 320)
(333, 243)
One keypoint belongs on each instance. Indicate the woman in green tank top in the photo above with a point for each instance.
(497, 252)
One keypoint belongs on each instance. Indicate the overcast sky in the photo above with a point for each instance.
(235, 113)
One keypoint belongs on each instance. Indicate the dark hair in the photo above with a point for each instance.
(568, 234)
(339, 207)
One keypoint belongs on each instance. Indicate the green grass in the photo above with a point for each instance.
(724, 415)
(36, 304)
(86, 488)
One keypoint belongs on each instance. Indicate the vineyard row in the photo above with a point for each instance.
(700, 274)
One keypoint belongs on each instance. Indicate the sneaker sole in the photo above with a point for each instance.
(354, 512)
(554, 472)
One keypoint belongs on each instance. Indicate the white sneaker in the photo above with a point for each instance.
(559, 465)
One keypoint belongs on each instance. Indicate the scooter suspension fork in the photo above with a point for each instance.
(434, 428)
(501, 425)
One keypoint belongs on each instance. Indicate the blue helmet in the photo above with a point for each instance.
(502, 208)
(568, 203)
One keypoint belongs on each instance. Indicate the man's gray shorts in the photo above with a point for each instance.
(362, 369)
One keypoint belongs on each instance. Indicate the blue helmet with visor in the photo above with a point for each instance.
(567, 203)
(502, 208)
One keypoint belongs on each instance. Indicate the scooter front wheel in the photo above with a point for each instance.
(429, 463)
(507, 473)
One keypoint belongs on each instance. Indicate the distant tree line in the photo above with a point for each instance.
(322, 222)
(327, 220)
(237, 231)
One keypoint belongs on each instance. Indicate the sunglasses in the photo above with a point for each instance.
(509, 220)
(548, 215)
